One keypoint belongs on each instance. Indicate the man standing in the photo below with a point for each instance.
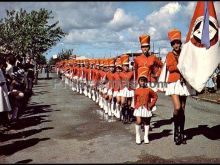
(29, 70)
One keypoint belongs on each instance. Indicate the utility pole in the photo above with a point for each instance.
(159, 51)
(153, 46)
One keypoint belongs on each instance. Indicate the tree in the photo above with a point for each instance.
(41, 60)
(65, 54)
(29, 34)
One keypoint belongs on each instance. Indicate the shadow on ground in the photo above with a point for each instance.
(34, 115)
(159, 123)
(24, 161)
(212, 133)
(19, 145)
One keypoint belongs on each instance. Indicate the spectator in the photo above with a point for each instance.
(5, 106)
(29, 69)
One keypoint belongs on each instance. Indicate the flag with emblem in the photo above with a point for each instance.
(200, 54)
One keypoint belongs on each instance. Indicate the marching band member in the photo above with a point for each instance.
(144, 98)
(85, 77)
(116, 89)
(96, 78)
(147, 59)
(110, 79)
(101, 86)
(90, 78)
(74, 75)
(105, 85)
(80, 76)
(176, 87)
(126, 91)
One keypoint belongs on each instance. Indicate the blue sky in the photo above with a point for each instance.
(98, 29)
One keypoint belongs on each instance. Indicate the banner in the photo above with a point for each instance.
(200, 54)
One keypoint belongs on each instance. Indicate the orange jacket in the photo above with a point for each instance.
(88, 74)
(117, 81)
(126, 78)
(150, 62)
(110, 78)
(172, 68)
(143, 96)
(79, 72)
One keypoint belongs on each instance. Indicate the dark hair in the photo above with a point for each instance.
(143, 79)
(3, 62)
(145, 46)
(175, 41)
(11, 59)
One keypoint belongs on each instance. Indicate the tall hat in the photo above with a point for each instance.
(144, 40)
(97, 62)
(81, 62)
(118, 62)
(111, 62)
(105, 63)
(91, 61)
(124, 59)
(174, 34)
(143, 72)
(101, 62)
(86, 61)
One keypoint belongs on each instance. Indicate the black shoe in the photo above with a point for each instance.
(183, 139)
(177, 140)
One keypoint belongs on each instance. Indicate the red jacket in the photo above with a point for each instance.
(117, 81)
(110, 78)
(126, 78)
(172, 68)
(150, 62)
(143, 96)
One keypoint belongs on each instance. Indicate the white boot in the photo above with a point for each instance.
(97, 97)
(146, 132)
(106, 106)
(117, 111)
(101, 102)
(89, 94)
(109, 109)
(138, 133)
(112, 108)
(93, 95)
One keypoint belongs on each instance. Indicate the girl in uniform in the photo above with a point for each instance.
(144, 99)
(176, 87)
(126, 91)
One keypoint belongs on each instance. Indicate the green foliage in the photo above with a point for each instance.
(29, 34)
(65, 54)
(41, 60)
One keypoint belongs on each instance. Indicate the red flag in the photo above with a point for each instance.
(200, 54)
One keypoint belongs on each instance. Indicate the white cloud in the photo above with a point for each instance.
(121, 20)
(106, 26)
(160, 21)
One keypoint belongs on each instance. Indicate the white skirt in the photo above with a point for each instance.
(75, 77)
(116, 93)
(126, 93)
(142, 112)
(105, 90)
(176, 88)
(110, 93)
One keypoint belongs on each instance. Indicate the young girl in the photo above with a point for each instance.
(116, 89)
(176, 87)
(126, 90)
(144, 99)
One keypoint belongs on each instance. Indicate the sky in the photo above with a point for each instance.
(107, 29)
